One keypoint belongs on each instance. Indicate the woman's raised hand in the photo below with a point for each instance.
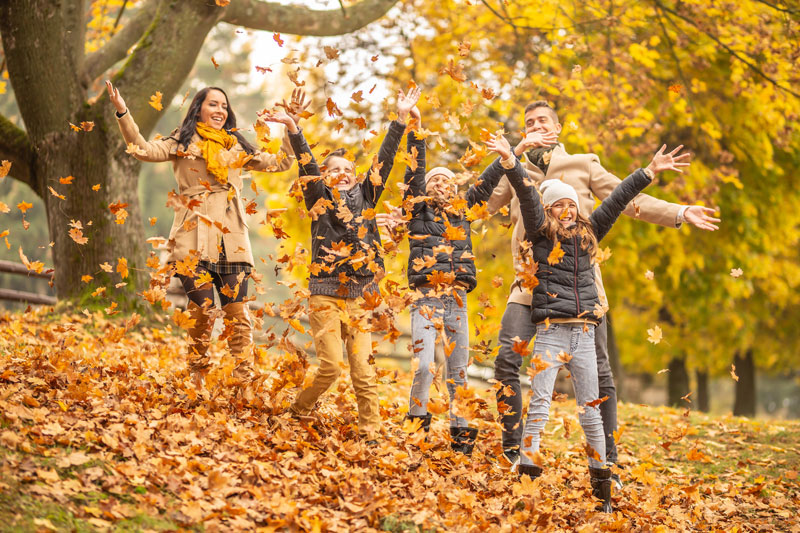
(669, 161)
(296, 106)
(406, 102)
(116, 98)
(499, 145)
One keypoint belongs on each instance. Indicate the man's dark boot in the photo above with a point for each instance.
(426, 421)
(601, 487)
(529, 470)
(463, 439)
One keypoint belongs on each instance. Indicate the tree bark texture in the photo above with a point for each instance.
(677, 382)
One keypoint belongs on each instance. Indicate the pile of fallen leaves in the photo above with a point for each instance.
(100, 421)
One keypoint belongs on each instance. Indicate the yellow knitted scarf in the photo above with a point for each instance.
(215, 141)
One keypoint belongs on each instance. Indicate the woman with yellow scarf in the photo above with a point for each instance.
(208, 244)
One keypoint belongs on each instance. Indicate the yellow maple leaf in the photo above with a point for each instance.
(654, 334)
(24, 206)
(155, 101)
(5, 166)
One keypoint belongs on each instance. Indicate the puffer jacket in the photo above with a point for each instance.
(427, 226)
(567, 288)
(344, 256)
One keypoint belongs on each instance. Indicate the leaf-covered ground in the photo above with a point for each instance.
(101, 429)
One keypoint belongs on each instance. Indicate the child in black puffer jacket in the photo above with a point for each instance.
(565, 306)
(441, 267)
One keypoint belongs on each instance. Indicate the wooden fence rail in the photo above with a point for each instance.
(13, 295)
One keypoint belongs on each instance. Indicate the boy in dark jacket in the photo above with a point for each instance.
(565, 305)
(345, 248)
(441, 267)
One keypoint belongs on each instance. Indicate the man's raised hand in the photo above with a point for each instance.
(669, 161)
(406, 102)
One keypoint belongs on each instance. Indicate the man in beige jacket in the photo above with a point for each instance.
(547, 159)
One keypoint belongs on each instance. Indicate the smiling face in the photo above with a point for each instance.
(565, 211)
(441, 188)
(541, 120)
(214, 110)
(341, 171)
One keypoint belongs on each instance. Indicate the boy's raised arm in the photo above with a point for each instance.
(389, 146)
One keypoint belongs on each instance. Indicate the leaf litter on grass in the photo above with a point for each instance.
(100, 417)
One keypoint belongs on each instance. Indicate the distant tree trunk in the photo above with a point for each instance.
(614, 359)
(702, 390)
(677, 382)
(745, 401)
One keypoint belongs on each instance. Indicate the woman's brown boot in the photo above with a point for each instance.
(240, 340)
(199, 339)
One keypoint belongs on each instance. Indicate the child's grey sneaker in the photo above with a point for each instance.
(511, 457)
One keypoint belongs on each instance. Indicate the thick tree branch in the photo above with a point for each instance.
(300, 20)
(117, 47)
(166, 52)
(15, 147)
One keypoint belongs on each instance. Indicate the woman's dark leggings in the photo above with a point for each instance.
(200, 295)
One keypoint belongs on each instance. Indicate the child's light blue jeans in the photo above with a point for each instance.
(429, 317)
(550, 342)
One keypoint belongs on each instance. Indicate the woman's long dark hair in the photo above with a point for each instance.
(189, 124)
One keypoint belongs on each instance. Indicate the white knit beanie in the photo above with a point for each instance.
(446, 172)
(555, 190)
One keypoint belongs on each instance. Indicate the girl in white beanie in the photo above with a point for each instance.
(565, 306)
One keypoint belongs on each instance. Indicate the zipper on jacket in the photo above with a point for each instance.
(575, 279)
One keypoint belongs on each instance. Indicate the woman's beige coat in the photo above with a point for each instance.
(207, 212)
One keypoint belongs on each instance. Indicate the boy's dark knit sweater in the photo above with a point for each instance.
(344, 256)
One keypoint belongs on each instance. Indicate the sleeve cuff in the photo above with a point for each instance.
(681, 215)
(509, 163)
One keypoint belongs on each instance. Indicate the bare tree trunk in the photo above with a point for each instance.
(703, 403)
(745, 400)
(677, 382)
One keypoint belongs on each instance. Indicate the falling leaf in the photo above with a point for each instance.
(277, 38)
(86, 278)
(155, 101)
(357, 97)
(733, 373)
(649, 275)
(464, 48)
(77, 236)
(153, 220)
(122, 267)
(66, 181)
(213, 62)
(87, 126)
(330, 52)
(5, 166)
(55, 193)
(736, 272)
(24, 206)
(555, 254)
(97, 186)
(675, 88)
(654, 334)
(222, 3)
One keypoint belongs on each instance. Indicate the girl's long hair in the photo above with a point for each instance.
(555, 231)
(189, 124)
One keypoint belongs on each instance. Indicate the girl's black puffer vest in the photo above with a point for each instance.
(567, 288)
(329, 227)
(427, 226)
